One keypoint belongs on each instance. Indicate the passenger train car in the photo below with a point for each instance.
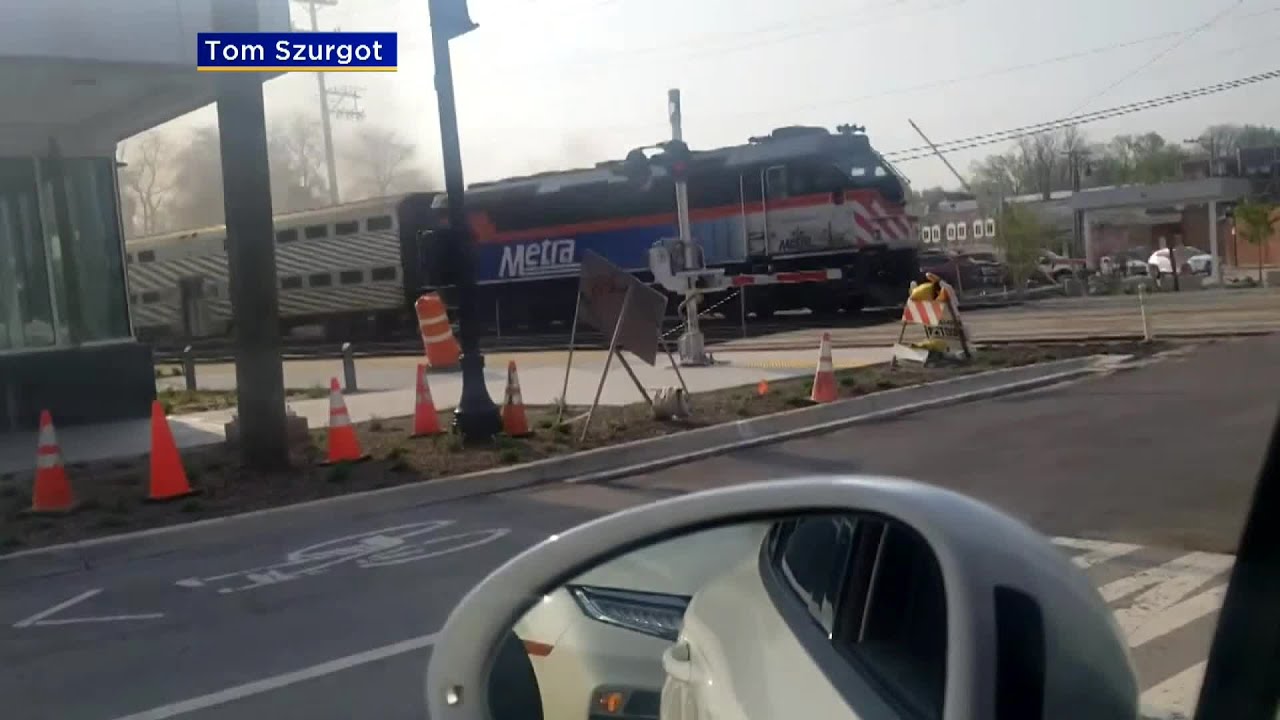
(341, 274)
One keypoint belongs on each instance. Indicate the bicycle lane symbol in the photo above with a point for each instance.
(372, 549)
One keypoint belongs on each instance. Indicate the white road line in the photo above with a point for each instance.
(60, 606)
(105, 618)
(276, 682)
(1178, 694)
(1183, 613)
(1098, 551)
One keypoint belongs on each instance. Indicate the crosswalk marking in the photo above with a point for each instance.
(1157, 601)
(1154, 609)
(1098, 551)
(1175, 616)
(1177, 695)
(1192, 570)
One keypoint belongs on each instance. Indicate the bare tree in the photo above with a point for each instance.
(148, 181)
(295, 149)
(1040, 155)
(383, 163)
(197, 169)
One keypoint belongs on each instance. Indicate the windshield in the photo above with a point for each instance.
(267, 418)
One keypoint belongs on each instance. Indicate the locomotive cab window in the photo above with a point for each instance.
(775, 182)
(315, 232)
(382, 222)
(346, 228)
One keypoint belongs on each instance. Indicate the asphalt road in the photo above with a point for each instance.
(290, 615)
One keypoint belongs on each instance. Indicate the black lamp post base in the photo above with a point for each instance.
(477, 419)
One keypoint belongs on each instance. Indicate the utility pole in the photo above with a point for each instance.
(1078, 165)
(251, 252)
(332, 104)
(1212, 144)
(477, 418)
(963, 183)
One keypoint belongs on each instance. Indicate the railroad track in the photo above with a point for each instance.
(715, 330)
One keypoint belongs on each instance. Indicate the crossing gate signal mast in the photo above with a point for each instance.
(678, 264)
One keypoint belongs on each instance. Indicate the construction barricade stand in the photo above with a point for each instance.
(933, 307)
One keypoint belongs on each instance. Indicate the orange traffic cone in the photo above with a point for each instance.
(514, 422)
(426, 421)
(344, 446)
(762, 388)
(168, 478)
(441, 346)
(52, 492)
(824, 380)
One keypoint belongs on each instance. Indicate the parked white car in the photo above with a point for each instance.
(1201, 264)
(596, 644)
(1160, 259)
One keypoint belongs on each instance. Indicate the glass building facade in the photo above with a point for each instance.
(62, 279)
(66, 344)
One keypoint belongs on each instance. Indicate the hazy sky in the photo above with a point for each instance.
(546, 84)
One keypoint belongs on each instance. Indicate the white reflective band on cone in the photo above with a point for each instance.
(438, 337)
(44, 461)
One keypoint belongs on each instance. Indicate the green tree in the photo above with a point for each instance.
(1020, 239)
(1256, 220)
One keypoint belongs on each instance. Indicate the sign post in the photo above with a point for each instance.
(611, 300)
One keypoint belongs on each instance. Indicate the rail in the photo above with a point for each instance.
(715, 330)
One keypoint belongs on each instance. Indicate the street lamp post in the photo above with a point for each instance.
(476, 418)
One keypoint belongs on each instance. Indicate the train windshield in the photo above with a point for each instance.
(864, 170)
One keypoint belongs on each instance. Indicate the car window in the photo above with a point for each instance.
(876, 590)
(811, 556)
(894, 623)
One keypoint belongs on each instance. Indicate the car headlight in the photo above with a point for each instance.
(656, 614)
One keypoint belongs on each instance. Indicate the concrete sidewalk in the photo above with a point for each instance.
(540, 384)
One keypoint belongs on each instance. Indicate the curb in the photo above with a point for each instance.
(617, 461)
(998, 341)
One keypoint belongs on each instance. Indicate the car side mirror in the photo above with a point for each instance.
(833, 597)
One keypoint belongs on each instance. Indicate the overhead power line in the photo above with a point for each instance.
(688, 48)
(991, 138)
(954, 80)
(1160, 55)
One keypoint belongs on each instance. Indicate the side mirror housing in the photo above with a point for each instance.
(1025, 634)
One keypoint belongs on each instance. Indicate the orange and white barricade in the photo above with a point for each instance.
(438, 342)
(944, 333)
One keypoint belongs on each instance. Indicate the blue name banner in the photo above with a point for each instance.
(296, 52)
